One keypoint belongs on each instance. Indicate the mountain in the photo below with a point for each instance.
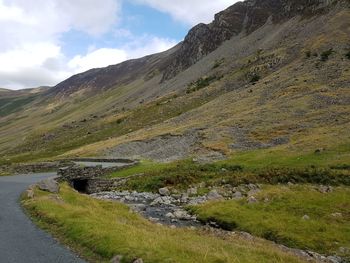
(268, 75)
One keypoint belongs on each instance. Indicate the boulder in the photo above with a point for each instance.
(344, 250)
(49, 185)
(198, 200)
(164, 191)
(252, 187)
(182, 215)
(138, 207)
(214, 195)
(192, 191)
(139, 260)
(334, 259)
(163, 200)
(306, 217)
(153, 219)
(337, 215)
(201, 185)
(116, 259)
(29, 193)
(325, 189)
(184, 198)
(252, 200)
(237, 195)
(170, 215)
(253, 192)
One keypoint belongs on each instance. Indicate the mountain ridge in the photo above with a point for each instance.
(269, 89)
(242, 17)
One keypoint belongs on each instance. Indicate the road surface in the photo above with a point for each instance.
(20, 240)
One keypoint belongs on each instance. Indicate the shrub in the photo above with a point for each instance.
(308, 54)
(347, 55)
(218, 63)
(119, 121)
(325, 54)
(202, 83)
(340, 167)
(255, 78)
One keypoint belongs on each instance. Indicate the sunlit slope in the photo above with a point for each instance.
(285, 87)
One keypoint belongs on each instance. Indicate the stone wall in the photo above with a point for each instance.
(77, 172)
(98, 185)
(105, 160)
(33, 167)
(90, 179)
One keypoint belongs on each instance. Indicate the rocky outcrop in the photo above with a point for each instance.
(241, 18)
(49, 185)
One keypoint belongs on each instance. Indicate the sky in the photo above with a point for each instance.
(46, 41)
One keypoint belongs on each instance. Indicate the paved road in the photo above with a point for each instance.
(20, 240)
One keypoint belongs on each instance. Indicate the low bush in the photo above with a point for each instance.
(325, 54)
(347, 55)
(255, 78)
(340, 167)
(308, 54)
(202, 83)
(218, 63)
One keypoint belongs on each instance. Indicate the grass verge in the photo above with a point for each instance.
(278, 216)
(100, 230)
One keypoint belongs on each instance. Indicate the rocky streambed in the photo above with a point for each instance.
(168, 207)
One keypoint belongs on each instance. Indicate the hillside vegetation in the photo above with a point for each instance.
(296, 216)
(105, 229)
(259, 99)
(283, 87)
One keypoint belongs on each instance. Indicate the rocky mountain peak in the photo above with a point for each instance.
(240, 18)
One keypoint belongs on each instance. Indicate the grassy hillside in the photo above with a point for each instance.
(270, 107)
(277, 91)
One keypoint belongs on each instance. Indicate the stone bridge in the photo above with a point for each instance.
(87, 175)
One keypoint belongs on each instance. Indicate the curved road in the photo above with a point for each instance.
(20, 240)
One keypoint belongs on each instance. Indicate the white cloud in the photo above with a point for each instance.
(191, 12)
(97, 58)
(145, 45)
(30, 32)
(31, 36)
(139, 47)
(31, 54)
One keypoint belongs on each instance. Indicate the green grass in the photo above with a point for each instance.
(202, 83)
(263, 158)
(100, 230)
(4, 174)
(238, 170)
(35, 147)
(179, 175)
(144, 166)
(11, 105)
(280, 218)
